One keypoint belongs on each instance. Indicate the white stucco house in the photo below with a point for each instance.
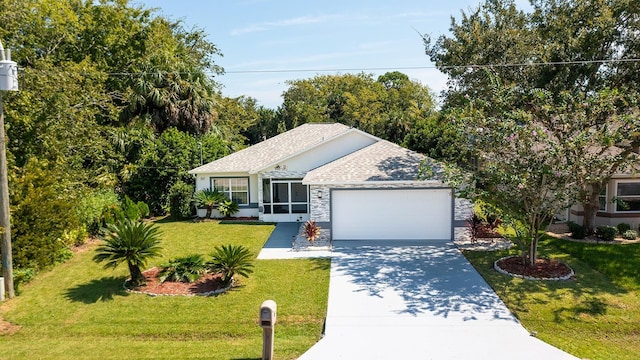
(364, 187)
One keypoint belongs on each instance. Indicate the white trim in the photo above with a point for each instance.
(379, 182)
(615, 184)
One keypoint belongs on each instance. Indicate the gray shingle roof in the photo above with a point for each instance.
(274, 149)
(381, 161)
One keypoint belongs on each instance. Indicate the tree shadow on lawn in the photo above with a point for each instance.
(584, 294)
(322, 264)
(429, 278)
(104, 289)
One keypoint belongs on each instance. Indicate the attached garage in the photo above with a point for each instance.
(391, 214)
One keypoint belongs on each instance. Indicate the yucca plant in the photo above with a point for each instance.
(230, 260)
(208, 199)
(131, 242)
(188, 268)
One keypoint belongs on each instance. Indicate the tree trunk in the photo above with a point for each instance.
(591, 207)
(137, 278)
(533, 251)
(209, 211)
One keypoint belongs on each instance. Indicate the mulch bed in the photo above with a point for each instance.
(544, 269)
(207, 284)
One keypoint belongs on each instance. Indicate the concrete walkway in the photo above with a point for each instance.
(390, 300)
(279, 245)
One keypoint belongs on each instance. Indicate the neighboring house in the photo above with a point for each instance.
(619, 203)
(364, 187)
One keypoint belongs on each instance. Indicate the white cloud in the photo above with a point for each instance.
(268, 25)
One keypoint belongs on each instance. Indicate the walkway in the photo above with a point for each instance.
(279, 245)
(417, 301)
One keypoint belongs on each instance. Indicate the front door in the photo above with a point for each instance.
(285, 200)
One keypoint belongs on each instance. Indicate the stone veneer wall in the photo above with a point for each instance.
(320, 201)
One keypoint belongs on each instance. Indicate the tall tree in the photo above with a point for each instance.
(579, 54)
(387, 107)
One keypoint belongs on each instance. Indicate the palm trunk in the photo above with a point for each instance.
(137, 279)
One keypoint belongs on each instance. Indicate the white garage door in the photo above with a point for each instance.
(391, 214)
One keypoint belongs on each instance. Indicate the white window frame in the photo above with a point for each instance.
(230, 190)
(622, 197)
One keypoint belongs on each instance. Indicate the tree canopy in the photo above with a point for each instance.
(548, 100)
(388, 106)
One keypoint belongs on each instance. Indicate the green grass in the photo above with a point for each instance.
(80, 310)
(594, 316)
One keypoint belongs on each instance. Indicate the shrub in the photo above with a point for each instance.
(183, 269)
(630, 235)
(133, 210)
(92, 207)
(311, 231)
(22, 277)
(606, 232)
(474, 224)
(227, 208)
(180, 200)
(230, 260)
(577, 231)
(623, 227)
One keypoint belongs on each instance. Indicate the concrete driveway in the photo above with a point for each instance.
(390, 300)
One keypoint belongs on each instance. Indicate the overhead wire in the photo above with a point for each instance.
(387, 68)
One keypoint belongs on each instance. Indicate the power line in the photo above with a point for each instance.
(468, 66)
(550, 63)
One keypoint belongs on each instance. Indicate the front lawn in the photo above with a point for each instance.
(80, 310)
(595, 316)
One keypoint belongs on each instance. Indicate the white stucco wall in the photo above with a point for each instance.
(326, 152)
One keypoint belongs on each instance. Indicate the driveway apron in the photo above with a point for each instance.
(417, 300)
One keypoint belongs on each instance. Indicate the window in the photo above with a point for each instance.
(236, 189)
(628, 196)
(285, 197)
(603, 199)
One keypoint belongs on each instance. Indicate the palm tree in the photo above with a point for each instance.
(208, 199)
(133, 242)
(230, 260)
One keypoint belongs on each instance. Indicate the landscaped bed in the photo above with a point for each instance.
(80, 310)
(594, 315)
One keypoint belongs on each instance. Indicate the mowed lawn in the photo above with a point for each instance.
(80, 310)
(594, 316)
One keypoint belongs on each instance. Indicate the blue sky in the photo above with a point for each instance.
(345, 36)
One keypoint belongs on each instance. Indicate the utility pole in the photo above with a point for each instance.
(5, 217)
(8, 82)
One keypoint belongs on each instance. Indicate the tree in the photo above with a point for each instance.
(388, 107)
(131, 242)
(167, 160)
(208, 199)
(576, 54)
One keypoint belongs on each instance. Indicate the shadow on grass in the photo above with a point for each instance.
(587, 289)
(322, 264)
(104, 289)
